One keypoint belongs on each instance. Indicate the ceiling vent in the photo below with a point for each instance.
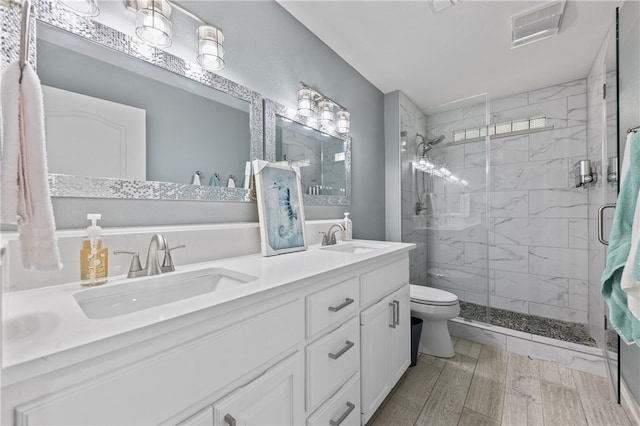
(438, 6)
(537, 24)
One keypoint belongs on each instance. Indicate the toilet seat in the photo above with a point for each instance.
(431, 296)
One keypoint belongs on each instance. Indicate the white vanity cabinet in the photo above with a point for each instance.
(385, 340)
(325, 348)
(274, 398)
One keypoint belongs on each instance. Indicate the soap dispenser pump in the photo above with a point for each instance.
(94, 256)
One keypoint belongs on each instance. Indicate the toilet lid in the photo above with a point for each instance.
(431, 296)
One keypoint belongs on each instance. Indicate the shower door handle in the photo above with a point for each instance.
(601, 222)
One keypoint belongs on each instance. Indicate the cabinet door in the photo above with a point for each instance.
(401, 335)
(375, 381)
(275, 398)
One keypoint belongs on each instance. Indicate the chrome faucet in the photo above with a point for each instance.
(157, 244)
(329, 238)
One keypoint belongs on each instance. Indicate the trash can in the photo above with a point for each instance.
(416, 330)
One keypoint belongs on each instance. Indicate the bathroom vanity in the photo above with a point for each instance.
(315, 337)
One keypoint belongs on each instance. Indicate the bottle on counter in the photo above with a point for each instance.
(348, 227)
(94, 256)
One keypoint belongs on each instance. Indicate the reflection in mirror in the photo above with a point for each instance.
(188, 129)
(157, 132)
(321, 157)
(324, 158)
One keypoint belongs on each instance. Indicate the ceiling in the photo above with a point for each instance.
(462, 51)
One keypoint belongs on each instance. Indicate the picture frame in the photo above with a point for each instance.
(280, 208)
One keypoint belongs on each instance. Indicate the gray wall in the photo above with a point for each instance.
(629, 95)
(270, 52)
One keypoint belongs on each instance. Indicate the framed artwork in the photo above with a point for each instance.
(280, 210)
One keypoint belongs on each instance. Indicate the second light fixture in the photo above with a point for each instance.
(315, 106)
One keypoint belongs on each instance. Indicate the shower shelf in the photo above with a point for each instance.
(445, 222)
(502, 135)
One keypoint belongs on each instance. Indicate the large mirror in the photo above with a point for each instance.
(324, 158)
(127, 121)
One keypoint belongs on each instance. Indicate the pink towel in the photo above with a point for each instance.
(25, 198)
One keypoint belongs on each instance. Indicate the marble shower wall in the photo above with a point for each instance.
(536, 247)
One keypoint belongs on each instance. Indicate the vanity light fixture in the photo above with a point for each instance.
(343, 121)
(210, 48)
(314, 106)
(81, 7)
(326, 113)
(153, 22)
(305, 102)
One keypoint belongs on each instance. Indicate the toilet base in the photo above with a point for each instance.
(435, 340)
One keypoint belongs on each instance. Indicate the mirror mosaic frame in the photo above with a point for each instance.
(272, 109)
(50, 13)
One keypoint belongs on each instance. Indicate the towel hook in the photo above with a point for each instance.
(25, 32)
(25, 25)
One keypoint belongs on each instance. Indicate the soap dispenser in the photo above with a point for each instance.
(348, 227)
(94, 256)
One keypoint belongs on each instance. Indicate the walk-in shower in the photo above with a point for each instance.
(491, 205)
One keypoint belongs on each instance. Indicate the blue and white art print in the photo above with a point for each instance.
(280, 208)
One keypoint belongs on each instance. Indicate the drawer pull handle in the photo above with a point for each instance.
(346, 303)
(341, 351)
(231, 421)
(393, 315)
(344, 415)
(397, 312)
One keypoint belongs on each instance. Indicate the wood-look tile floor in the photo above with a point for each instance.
(482, 386)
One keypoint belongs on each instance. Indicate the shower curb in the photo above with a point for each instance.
(572, 355)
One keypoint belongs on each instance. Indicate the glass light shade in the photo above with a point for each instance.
(343, 121)
(81, 7)
(153, 23)
(326, 113)
(305, 102)
(210, 49)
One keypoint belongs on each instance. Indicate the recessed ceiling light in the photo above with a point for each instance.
(537, 24)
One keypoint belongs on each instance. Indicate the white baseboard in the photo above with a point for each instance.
(629, 403)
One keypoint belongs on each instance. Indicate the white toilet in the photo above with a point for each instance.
(435, 307)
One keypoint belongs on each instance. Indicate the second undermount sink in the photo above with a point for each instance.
(137, 294)
(354, 247)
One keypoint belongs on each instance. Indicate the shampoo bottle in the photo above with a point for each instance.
(94, 256)
(348, 227)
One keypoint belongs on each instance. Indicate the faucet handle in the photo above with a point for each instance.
(135, 269)
(167, 263)
(325, 239)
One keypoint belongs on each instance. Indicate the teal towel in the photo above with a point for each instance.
(625, 323)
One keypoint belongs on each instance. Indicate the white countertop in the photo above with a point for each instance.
(46, 321)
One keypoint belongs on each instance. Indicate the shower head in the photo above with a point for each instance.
(427, 145)
(436, 141)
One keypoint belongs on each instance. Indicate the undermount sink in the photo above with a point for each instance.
(137, 294)
(355, 247)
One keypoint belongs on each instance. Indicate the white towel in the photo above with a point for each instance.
(627, 282)
(25, 198)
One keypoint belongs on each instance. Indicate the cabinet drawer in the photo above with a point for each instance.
(381, 281)
(343, 409)
(332, 305)
(330, 361)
